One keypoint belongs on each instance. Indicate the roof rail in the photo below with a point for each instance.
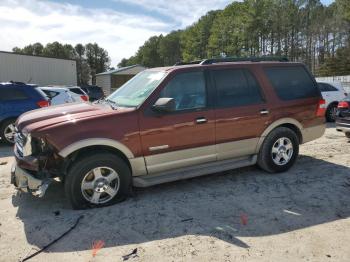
(242, 59)
(188, 63)
(234, 59)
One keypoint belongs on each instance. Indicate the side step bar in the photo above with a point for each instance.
(193, 171)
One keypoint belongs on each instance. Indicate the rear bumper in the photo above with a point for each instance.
(312, 133)
(26, 182)
(343, 126)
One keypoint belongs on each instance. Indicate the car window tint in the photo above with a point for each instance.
(292, 82)
(10, 93)
(326, 87)
(188, 90)
(76, 91)
(50, 94)
(236, 87)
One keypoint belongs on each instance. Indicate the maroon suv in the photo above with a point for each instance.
(170, 123)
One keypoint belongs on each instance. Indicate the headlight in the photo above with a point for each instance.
(27, 146)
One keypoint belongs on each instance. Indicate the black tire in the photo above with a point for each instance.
(79, 169)
(3, 128)
(330, 115)
(265, 157)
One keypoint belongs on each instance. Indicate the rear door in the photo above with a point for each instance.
(14, 101)
(241, 112)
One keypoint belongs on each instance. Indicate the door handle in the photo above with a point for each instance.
(264, 112)
(201, 120)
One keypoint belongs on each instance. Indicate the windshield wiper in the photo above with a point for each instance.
(113, 104)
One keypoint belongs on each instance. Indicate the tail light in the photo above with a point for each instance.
(43, 103)
(343, 104)
(85, 98)
(321, 108)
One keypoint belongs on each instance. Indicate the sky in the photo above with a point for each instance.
(119, 26)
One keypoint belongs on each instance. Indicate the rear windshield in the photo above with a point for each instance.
(292, 82)
(50, 93)
(76, 91)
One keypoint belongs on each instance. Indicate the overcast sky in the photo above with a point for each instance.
(120, 26)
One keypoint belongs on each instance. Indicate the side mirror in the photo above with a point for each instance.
(165, 104)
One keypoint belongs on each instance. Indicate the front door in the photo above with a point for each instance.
(241, 112)
(184, 137)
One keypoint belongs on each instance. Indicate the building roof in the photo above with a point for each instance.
(122, 70)
(12, 53)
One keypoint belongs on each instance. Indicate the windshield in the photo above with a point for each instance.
(137, 89)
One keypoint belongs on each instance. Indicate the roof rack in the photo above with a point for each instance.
(235, 59)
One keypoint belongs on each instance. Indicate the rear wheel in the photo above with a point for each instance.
(7, 130)
(331, 112)
(97, 180)
(279, 150)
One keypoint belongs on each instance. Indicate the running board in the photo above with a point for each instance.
(193, 171)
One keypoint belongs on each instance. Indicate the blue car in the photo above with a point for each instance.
(16, 99)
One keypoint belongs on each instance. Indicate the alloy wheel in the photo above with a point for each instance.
(100, 185)
(282, 151)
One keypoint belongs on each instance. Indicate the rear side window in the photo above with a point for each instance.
(292, 82)
(9, 93)
(188, 91)
(76, 91)
(50, 94)
(326, 87)
(236, 87)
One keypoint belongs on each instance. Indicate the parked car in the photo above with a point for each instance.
(332, 92)
(15, 99)
(59, 95)
(171, 123)
(343, 116)
(94, 92)
(77, 93)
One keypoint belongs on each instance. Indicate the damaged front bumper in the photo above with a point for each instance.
(26, 182)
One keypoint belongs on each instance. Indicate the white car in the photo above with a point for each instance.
(332, 92)
(60, 95)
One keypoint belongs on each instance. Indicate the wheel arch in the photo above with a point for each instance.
(290, 123)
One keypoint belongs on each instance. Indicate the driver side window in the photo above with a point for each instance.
(188, 91)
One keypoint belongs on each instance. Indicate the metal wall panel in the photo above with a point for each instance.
(104, 81)
(37, 70)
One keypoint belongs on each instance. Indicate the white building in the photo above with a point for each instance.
(37, 69)
(111, 80)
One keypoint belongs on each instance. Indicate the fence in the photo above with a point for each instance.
(345, 80)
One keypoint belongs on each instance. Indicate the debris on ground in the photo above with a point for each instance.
(244, 219)
(54, 241)
(96, 246)
(187, 219)
(133, 254)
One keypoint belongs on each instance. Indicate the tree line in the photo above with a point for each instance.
(91, 59)
(302, 30)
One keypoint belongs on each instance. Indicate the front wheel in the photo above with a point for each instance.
(99, 179)
(279, 150)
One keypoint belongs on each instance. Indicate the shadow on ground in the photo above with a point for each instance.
(313, 192)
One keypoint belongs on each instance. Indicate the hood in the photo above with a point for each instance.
(45, 117)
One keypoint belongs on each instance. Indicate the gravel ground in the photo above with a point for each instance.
(240, 215)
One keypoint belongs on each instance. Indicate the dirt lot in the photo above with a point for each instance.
(301, 215)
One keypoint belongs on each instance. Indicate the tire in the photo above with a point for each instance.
(271, 143)
(347, 134)
(92, 175)
(330, 113)
(5, 129)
